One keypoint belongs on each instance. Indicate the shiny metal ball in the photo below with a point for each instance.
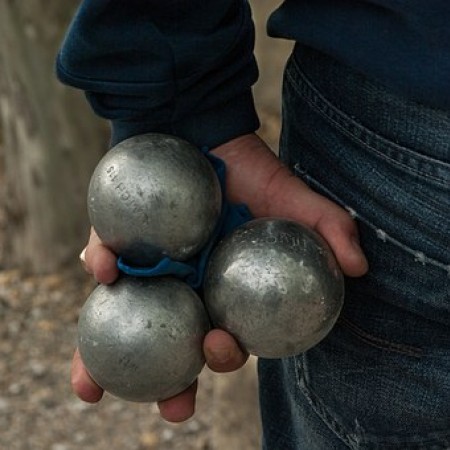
(141, 339)
(154, 195)
(275, 286)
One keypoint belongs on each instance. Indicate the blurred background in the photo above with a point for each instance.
(50, 142)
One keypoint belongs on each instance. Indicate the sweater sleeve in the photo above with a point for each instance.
(182, 67)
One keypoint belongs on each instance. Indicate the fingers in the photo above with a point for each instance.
(82, 384)
(181, 407)
(175, 409)
(99, 261)
(222, 352)
(256, 177)
(222, 355)
(294, 199)
(342, 235)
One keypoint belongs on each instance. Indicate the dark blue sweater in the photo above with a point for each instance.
(186, 67)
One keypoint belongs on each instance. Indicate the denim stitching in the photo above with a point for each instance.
(317, 405)
(315, 101)
(379, 343)
(327, 110)
(359, 133)
(359, 439)
(418, 256)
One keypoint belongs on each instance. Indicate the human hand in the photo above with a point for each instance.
(221, 350)
(256, 177)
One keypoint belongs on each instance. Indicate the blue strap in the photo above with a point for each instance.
(192, 271)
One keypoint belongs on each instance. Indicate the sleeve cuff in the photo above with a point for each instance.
(206, 129)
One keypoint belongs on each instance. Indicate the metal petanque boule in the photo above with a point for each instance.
(275, 285)
(141, 339)
(154, 195)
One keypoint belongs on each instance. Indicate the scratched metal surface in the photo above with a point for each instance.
(275, 286)
(152, 196)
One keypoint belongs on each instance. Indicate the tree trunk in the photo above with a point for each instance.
(51, 140)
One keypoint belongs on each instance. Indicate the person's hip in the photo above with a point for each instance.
(381, 379)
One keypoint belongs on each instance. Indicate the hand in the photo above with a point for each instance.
(256, 177)
(221, 350)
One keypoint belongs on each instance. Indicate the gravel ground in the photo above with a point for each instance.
(37, 408)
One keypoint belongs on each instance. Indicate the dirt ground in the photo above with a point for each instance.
(37, 408)
(38, 318)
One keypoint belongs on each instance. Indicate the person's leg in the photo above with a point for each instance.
(289, 422)
(381, 379)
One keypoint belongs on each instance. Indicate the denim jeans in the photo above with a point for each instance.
(381, 378)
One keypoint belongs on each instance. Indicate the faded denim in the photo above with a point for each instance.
(381, 379)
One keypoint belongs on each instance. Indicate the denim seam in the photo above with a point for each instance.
(315, 101)
(379, 343)
(418, 256)
(318, 406)
(432, 441)
(367, 137)
(327, 110)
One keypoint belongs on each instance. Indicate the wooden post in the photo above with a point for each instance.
(51, 140)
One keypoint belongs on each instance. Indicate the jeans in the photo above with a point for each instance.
(381, 378)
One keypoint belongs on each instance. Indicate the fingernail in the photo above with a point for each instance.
(220, 355)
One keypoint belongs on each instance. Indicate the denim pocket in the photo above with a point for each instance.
(358, 390)
(406, 187)
(399, 196)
